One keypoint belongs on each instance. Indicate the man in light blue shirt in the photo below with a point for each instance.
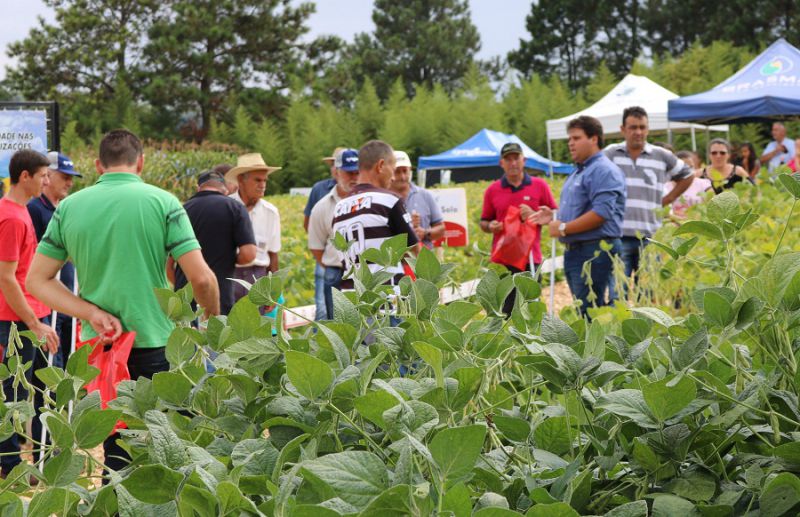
(591, 211)
(780, 150)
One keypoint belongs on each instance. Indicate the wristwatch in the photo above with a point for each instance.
(562, 229)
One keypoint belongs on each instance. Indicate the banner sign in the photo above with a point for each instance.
(453, 202)
(21, 129)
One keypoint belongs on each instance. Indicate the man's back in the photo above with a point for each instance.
(221, 224)
(118, 234)
(370, 216)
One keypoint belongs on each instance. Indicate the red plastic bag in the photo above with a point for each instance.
(112, 361)
(514, 245)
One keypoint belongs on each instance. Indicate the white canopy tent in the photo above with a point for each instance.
(633, 90)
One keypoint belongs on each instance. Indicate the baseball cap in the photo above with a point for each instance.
(347, 160)
(511, 147)
(402, 159)
(211, 175)
(61, 163)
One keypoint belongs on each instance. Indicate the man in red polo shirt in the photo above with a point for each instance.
(515, 188)
(28, 171)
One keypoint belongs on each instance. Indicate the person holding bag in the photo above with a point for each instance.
(526, 195)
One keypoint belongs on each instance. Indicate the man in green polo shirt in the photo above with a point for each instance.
(118, 234)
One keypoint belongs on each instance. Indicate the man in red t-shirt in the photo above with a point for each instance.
(515, 188)
(28, 174)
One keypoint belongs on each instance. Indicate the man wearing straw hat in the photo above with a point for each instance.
(251, 174)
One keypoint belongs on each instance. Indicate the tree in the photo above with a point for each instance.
(563, 40)
(200, 51)
(423, 42)
(81, 59)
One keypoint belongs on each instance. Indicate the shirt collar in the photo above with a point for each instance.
(589, 161)
(46, 202)
(623, 148)
(120, 177)
(526, 180)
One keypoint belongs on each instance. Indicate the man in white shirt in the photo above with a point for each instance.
(320, 226)
(251, 174)
(780, 150)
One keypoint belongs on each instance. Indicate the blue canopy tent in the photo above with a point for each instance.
(768, 88)
(479, 158)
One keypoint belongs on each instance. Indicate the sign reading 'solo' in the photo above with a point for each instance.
(453, 203)
(21, 129)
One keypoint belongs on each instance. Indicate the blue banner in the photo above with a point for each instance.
(21, 129)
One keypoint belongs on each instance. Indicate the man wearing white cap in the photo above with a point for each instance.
(251, 174)
(426, 216)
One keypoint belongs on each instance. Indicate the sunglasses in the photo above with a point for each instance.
(715, 153)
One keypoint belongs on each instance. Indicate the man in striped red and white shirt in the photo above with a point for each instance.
(372, 214)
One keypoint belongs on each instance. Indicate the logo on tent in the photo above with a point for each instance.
(776, 65)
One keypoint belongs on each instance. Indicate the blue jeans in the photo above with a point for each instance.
(319, 292)
(601, 268)
(11, 447)
(332, 278)
(631, 256)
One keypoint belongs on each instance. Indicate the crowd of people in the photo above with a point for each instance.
(98, 254)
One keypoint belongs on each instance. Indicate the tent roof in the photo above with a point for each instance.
(483, 150)
(633, 90)
(767, 88)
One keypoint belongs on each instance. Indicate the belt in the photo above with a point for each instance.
(569, 246)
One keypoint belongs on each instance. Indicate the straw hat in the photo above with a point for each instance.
(249, 163)
(330, 159)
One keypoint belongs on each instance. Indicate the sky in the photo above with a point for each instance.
(500, 29)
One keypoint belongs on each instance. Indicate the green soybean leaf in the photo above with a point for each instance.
(554, 435)
(717, 310)
(552, 510)
(196, 501)
(427, 266)
(94, 426)
(355, 476)
(629, 404)
(398, 501)
(556, 331)
(311, 377)
(456, 450)
(171, 387)
(703, 228)
(52, 501)
(433, 357)
(167, 448)
(723, 206)
(634, 509)
(792, 183)
(636, 330)
(492, 292)
(515, 429)
(667, 505)
(495, 512)
(60, 431)
(666, 398)
(780, 495)
(153, 484)
(63, 469)
(691, 350)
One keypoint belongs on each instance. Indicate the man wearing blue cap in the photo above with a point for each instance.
(61, 174)
(320, 229)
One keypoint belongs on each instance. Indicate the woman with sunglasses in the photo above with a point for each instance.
(721, 172)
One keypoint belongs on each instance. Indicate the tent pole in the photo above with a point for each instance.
(552, 240)
(669, 133)
(421, 177)
(694, 140)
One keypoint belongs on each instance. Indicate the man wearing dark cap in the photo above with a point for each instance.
(223, 228)
(515, 188)
(61, 174)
